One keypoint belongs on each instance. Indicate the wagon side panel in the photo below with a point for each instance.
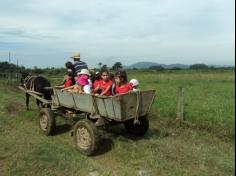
(101, 107)
(117, 108)
(64, 99)
(84, 102)
(111, 108)
(146, 100)
(108, 102)
(128, 105)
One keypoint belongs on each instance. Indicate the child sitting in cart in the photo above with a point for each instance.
(122, 84)
(67, 81)
(70, 71)
(104, 85)
(82, 83)
(96, 81)
(134, 84)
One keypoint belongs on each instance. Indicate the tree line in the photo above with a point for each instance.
(9, 68)
(191, 67)
(6, 68)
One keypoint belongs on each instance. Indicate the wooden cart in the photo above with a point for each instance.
(131, 109)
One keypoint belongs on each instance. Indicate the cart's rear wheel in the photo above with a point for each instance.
(47, 122)
(137, 129)
(86, 137)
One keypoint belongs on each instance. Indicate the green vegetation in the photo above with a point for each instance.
(117, 66)
(209, 97)
(201, 145)
(7, 69)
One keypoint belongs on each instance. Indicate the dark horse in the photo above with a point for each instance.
(37, 84)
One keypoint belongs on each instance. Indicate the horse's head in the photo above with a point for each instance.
(23, 75)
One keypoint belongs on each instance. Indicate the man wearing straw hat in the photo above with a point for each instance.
(78, 64)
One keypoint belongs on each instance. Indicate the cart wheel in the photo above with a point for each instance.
(47, 122)
(86, 137)
(138, 129)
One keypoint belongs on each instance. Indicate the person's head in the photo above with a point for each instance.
(67, 77)
(112, 76)
(76, 56)
(23, 76)
(69, 65)
(104, 73)
(94, 75)
(121, 78)
(134, 83)
(83, 77)
(84, 72)
(97, 76)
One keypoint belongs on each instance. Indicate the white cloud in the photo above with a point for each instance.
(155, 30)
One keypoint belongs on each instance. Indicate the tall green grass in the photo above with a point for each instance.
(209, 96)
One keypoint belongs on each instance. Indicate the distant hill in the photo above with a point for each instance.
(146, 65)
(142, 65)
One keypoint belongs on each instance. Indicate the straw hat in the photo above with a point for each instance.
(76, 56)
(84, 72)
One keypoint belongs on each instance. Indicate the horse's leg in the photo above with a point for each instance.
(27, 101)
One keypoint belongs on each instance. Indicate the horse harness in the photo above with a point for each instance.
(29, 80)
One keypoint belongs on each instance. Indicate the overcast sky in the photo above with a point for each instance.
(46, 33)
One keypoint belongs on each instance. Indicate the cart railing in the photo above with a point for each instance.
(119, 107)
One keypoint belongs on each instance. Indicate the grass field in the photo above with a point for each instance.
(201, 145)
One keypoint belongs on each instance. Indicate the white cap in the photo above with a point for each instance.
(84, 71)
(134, 82)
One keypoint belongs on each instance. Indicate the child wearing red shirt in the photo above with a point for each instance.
(104, 84)
(96, 80)
(67, 81)
(122, 85)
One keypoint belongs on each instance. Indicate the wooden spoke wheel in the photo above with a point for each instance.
(86, 137)
(47, 122)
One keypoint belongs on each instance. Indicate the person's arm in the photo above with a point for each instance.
(106, 90)
(97, 88)
(71, 87)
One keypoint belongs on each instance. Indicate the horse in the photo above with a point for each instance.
(37, 84)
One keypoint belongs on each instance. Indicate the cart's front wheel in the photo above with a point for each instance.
(47, 122)
(86, 137)
(137, 129)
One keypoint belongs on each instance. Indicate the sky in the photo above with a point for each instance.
(46, 33)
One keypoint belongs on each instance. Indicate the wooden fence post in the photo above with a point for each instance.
(180, 106)
(8, 78)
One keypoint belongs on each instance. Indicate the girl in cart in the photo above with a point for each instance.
(105, 84)
(122, 84)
